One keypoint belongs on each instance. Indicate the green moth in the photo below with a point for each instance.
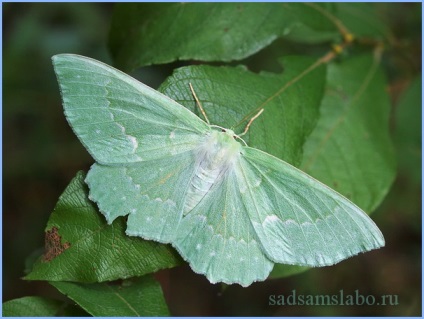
(230, 210)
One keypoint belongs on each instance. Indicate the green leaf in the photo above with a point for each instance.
(350, 149)
(143, 34)
(229, 95)
(31, 307)
(129, 298)
(82, 247)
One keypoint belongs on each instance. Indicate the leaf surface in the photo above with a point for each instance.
(130, 298)
(144, 34)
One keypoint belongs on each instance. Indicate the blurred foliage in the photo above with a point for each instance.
(41, 155)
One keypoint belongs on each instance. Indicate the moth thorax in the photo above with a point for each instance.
(221, 149)
(214, 159)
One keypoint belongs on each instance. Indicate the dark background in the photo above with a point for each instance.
(41, 156)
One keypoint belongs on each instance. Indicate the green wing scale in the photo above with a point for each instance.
(231, 211)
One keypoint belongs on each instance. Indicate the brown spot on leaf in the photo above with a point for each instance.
(53, 245)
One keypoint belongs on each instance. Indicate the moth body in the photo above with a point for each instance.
(215, 156)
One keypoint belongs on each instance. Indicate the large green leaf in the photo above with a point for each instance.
(143, 34)
(229, 95)
(129, 298)
(31, 306)
(82, 247)
(350, 149)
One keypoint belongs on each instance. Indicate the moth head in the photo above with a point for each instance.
(229, 132)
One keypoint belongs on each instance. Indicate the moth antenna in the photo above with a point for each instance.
(250, 122)
(199, 104)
